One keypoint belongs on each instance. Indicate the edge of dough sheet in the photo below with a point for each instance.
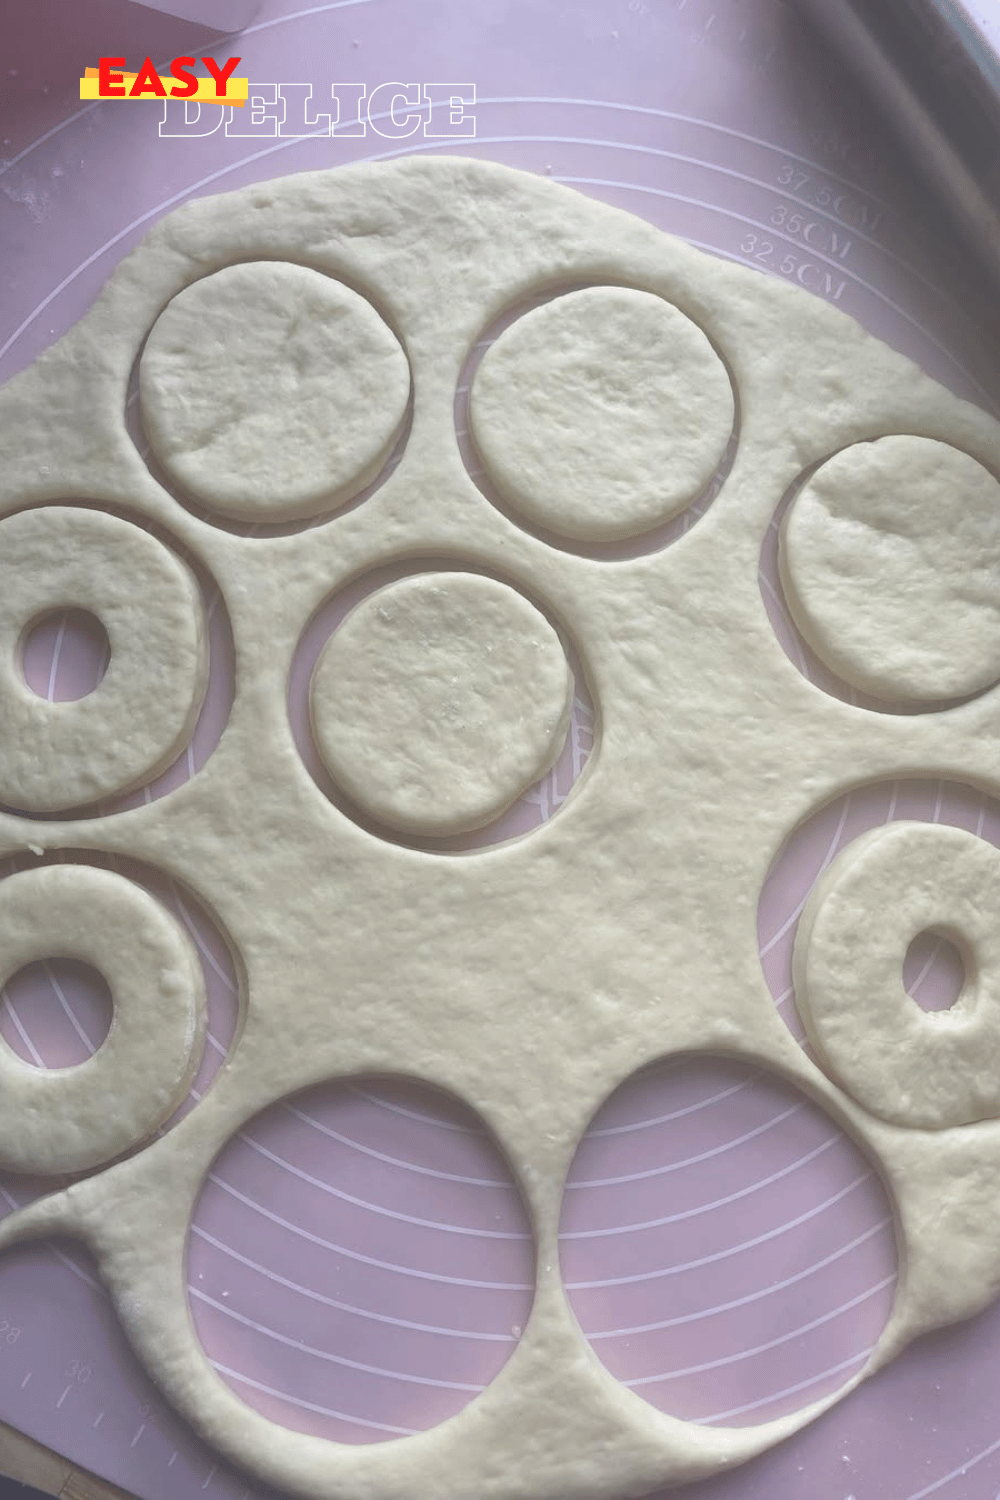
(711, 749)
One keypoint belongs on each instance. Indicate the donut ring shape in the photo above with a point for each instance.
(909, 1066)
(140, 715)
(69, 1119)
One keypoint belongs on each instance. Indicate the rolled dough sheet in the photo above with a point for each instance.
(450, 969)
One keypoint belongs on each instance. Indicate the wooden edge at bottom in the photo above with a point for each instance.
(23, 1459)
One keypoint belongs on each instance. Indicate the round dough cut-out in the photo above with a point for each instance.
(140, 715)
(602, 413)
(70, 1119)
(920, 1068)
(890, 562)
(270, 392)
(439, 700)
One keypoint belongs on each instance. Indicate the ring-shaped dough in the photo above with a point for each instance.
(909, 1066)
(270, 392)
(890, 564)
(602, 413)
(439, 700)
(55, 756)
(70, 1119)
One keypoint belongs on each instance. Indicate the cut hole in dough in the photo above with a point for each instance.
(65, 655)
(56, 755)
(269, 392)
(439, 700)
(726, 1247)
(933, 971)
(55, 1012)
(890, 564)
(57, 1120)
(602, 413)
(349, 1313)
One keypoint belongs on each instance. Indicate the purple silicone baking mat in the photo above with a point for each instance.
(360, 1262)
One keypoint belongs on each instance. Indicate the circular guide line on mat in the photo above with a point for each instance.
(792, 1211)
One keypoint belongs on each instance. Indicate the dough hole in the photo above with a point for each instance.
(360, 1263)
(271, 393)
(551, 471)
(55, 1013)
(65, 655)
(728, 1251)
(536, 803)
(933, 971)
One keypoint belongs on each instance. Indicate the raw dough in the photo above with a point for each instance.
(890, 562)
(602, 413)
(915, 1068)
(139, 717)
(269, 392)
(439, 700)
(532, 977)
(55, 1120)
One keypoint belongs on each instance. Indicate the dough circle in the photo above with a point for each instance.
(439, 700)
(601, 413)
(911, 1067)
(890, 563)
(70, 1119)
(270, 392)
(139, 717)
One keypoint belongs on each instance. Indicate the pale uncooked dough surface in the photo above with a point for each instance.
(269, 391)
(532, 977)
(601, 413)
(907, 1065)
(439, 700)
(55, 756)
(890, 561)
(67, 1119)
